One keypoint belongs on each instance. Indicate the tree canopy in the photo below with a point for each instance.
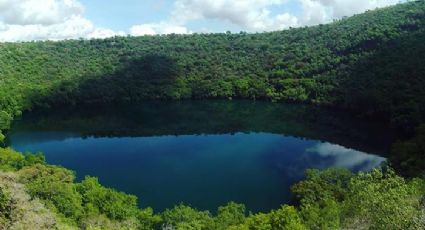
(370, 63)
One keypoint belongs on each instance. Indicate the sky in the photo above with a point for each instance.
(27, 20)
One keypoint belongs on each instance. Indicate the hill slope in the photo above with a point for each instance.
(371, 62)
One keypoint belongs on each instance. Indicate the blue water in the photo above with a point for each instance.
(251, 163)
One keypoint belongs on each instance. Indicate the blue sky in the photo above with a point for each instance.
(25, 20)
(122, 14)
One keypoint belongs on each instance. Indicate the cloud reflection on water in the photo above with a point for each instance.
(346, 157)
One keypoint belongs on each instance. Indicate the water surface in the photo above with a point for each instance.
(202, 153)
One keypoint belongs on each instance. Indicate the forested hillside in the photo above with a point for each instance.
(371, 62)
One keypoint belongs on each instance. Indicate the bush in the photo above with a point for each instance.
(5, 206)
(383, 200)
(184, 217)
(55, 186)
(408, 157)
(115, 205)
(148, 219)
(325, 214)
(286, 217)
(5, 120)
(2, 137)
(258, 221)
(11, 160)
(319, 185)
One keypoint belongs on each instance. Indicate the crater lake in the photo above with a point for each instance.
(202, 153)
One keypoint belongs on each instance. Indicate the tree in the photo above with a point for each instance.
(232, 214)
(5, 119)
(382, 200)
(98, 199)
(286, 217)
(2, 137)
(183, 217)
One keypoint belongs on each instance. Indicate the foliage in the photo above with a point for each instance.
(113, 204)
(287, 217)
(4, 206)
(376, 200)
(383, 200)
(259, 221)
(148, 219)
(11, 160)
(2, 137)
(408, 157)
(319, 185)
(19, 211)
(5, 120)
(320, 195)
(54, 185)
(230, 215)
(369, 62)
(184, 217)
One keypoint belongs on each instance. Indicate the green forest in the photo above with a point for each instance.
(371, 64)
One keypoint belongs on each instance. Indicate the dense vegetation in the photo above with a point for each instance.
(371, 63)
(330, 199)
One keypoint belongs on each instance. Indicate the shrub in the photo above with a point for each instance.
(185, 217)
(286, 217)
(113, 204)
(232, 214)
(55, 186)
(5, 207)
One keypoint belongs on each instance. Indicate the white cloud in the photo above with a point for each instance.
(158, 28)
(63, 19)
(26, 20)
(340, 8)
(314, 13)
(45, 12)
(256, 15)
(104, 33)
(347, 158)
(322, 11)
(253, 15)
(73, 28)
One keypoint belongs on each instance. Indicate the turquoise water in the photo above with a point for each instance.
(201, 153)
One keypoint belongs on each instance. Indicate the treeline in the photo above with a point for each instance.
(330, 199)
(372, 63)
(224, 117)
